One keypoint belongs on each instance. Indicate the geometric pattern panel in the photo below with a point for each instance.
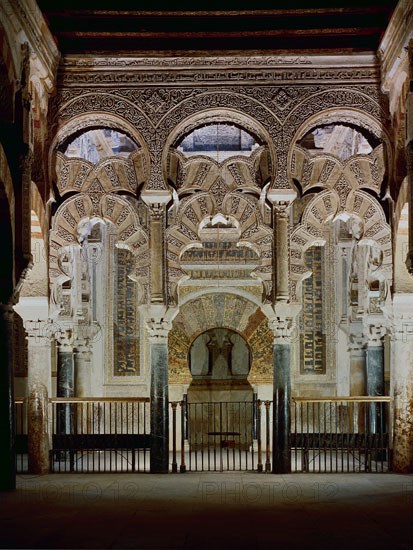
(313, 339)
(126, 322)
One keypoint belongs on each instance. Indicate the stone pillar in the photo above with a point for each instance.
(82, 369)
(39, 382)
(281, 463)
(158, 330)
(281, 213)
(157, 200)
(65, 382)
(402, 383)
(357, 349)
(7, 432)
(34, 311)
(281, 247)
(375, 373)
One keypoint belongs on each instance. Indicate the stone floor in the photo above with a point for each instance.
(209, 510)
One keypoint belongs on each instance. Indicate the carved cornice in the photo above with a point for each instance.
(154, 76)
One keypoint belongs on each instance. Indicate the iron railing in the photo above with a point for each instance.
(104, 434)
(341, 434)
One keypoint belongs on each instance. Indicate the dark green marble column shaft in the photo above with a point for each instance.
(281, 462)
(159, 408)
(375, 385)
(7, 432)
(65, 388)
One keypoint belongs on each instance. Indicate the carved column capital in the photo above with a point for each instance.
(158, 330)
(374, 334)
(283, 330)
(157, 211)
(38, 332)
(281, 209)
(281, 198)
(357, 343)
(65, 339)
(156, 199)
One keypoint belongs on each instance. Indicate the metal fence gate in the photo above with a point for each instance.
(224, 436)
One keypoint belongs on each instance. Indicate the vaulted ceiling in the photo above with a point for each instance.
(322, 26)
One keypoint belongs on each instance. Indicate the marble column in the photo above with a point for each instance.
(82, 369)
(39, 382)
(158, 340)
(65, 384)
(281, 213)
(281, 463)
(357, 349)
(34, 311)
(157, 201)
(281, 219)
(375, 374)
(402, 383)
(7, 433)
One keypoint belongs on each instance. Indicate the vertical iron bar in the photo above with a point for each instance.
(202, 436)
(182, 467)
(259, 459)
(239, 427)
(208, 436)
(267, 439)
(174, 463)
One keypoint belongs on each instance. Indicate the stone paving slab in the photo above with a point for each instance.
(209, 510)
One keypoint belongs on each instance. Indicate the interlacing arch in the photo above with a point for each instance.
(202, 206)
(70, 227)
(327, 206)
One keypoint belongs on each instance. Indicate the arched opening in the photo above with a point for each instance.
(98, 143)
(218, 141)
(219, 354)
(220, 399)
